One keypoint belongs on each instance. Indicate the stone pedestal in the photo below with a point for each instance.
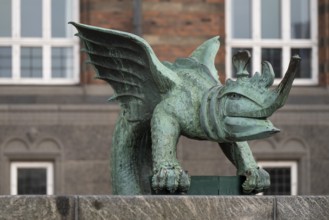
(164, 207)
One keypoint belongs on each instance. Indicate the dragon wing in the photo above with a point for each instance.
(129, 65)
(206, 54)
(202, 61)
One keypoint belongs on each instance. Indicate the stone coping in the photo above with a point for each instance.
(164, 207)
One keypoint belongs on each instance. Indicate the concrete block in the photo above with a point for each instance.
(175, 207)
(303, 207)
(37, 207)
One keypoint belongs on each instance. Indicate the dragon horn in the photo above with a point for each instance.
(285, 85)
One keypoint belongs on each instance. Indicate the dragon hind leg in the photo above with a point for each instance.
(130, 160)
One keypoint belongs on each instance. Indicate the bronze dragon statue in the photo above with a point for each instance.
(160, 101)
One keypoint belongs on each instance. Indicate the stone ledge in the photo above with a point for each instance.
(164, 207)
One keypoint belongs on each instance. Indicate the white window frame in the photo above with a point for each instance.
(285, 43)
(45, 42)
(14, 166)
(277, 164)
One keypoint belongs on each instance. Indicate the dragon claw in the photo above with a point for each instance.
(257, 180)
(170, 177)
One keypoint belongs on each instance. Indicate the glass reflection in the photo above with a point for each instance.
(305, 66)
(61, 62)
(274, 56)
(31, 62)
(60, 16)
(280, 181)
(31, 181)
(300, 19)
(31, 18)
(5, 18)
(5, 62)
(271, 18)
(241, 18)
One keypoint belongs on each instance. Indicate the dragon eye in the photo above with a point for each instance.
(234, 96)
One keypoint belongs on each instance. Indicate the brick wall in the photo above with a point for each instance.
(116, 14)
(173, 28)
(323, 42)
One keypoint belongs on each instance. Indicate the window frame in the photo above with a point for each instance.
(46, 42)
(285, 42)
(14, 166)
(293, 168)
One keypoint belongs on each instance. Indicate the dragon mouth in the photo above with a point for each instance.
(244, 129)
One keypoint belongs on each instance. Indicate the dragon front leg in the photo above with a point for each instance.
(168, 175)
(239, 153)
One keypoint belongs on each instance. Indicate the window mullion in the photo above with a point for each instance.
(314, 22)
(46, 36)
(50, 180)
(256, 36)
(286, 55)
(46, 14)
(13, 180)
(314, 65)
(15, 18)
(228, 20)
(314, 38)
(256, 59)
(229, 62)
(285, 21)
(294, 180)
(256, 20)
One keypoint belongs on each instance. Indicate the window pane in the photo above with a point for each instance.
(241, 19)
(31, 18)
(61, 62)
(300, 19)
(5, 62)
(274, 56)
(305, 65)
(234, 51)
(60, 16)
(5, 18)
(31, 181)
(271, 19)
(31, 62)
(280, 181)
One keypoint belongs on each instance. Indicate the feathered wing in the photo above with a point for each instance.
(129, 65)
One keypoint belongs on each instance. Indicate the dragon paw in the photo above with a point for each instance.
(170, 177)
(257, 180)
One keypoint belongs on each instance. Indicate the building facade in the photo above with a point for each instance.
(55, 122)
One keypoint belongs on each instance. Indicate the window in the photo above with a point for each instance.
(274, 30)
(283, 177)
(37, 46)
(32, 178)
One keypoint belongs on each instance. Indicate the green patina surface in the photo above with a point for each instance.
(160, 101)
(216, 185)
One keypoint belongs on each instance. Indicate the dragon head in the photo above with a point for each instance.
(238, 111)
